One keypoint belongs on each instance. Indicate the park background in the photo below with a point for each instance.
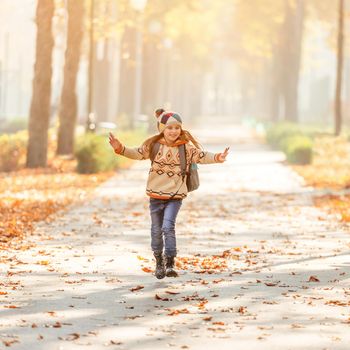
(263, 244)
(71, 71)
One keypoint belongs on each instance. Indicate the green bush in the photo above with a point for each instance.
(277, 134)
(298, 149)
(12, 150)
(94, 154)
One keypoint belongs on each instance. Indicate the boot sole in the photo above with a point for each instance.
(172, 274)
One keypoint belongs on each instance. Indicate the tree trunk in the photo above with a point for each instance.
(127, 74)
(338, 90)
(40, 105)
(275, 85)
(292, 50)
(150, 82)
(68, 108)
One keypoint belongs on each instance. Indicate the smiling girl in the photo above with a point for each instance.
(166, 186)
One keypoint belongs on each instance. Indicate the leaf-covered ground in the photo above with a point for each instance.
(260, 267)
(330, 170)
(28, 196)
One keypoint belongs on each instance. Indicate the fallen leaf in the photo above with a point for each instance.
(337, 303)
(134, 289)
(272, 284)
(242, 309)
(10, 342)
(157, 297)
(313, 279)
(71, 337)
(142, 258)
(51, 313)
(218, 329)
(218, 280)
(171, 292)
(115, 342)
(208, 318)
(295, 325)
(177, 312)
(43, 262)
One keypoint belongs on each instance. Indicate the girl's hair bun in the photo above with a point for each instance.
(158, 112)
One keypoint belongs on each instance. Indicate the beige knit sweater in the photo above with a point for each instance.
(164, 177)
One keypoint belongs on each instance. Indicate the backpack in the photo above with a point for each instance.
(192, 178)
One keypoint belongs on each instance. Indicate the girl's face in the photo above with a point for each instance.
(172, 133)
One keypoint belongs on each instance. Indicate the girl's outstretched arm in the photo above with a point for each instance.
(222, 156)
(115, 143)
(204, 157)
(139, 153)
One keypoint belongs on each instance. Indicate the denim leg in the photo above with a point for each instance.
(157, 214)
(170, 213)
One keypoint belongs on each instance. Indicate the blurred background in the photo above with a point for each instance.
(111, 63)
(266, 59)
(73, 70)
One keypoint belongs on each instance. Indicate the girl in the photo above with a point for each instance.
(166, 186)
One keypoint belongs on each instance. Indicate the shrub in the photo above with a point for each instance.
(278, 133)
(298, 149)
(12, 150)
(94, 154)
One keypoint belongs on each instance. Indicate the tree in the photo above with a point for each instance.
(269, 45)
(338, 90)
(291, 57)
(40, 104)
(256, 47)
(68, 107)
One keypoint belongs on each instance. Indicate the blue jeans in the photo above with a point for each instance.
(163, 217)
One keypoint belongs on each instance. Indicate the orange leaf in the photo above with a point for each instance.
(43, 262)
(157, 297)
(313, 279)
(209, 318)
(136, 288)
(177, 312)
(242, 310)
(272, 284)
(141, 258)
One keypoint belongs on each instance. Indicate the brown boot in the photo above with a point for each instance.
(169, 267)
(160, 269)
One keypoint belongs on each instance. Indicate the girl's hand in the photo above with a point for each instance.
(222, 156)
(115, 143)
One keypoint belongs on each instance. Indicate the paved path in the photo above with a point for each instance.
(277, 269)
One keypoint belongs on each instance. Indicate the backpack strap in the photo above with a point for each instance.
(154, 151)
(183, 160)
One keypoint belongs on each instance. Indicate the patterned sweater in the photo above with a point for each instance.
(164, 177)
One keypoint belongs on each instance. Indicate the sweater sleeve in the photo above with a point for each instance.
(138, 153)
(197, 155)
